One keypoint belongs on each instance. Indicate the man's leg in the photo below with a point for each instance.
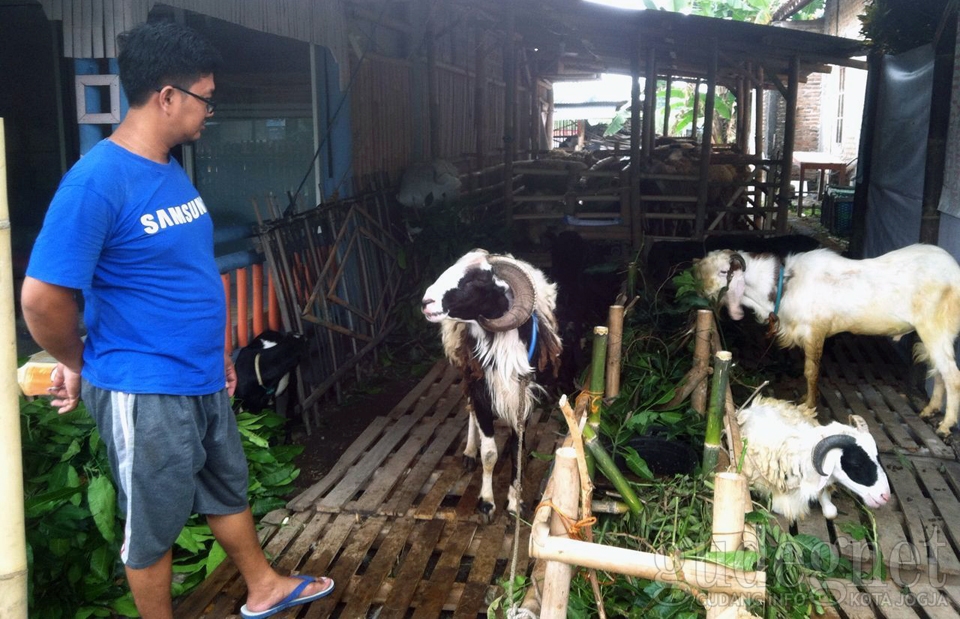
(265, 587)
(151, 588)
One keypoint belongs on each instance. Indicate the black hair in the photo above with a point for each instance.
(155, 54)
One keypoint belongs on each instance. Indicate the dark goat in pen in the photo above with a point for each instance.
(266, 370)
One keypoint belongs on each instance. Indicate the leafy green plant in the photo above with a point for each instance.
(73, 529)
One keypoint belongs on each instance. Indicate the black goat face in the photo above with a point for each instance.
(466, 291)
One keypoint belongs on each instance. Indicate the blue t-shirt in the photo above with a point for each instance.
(136, 238)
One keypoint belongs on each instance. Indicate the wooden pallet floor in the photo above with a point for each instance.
(394, 522)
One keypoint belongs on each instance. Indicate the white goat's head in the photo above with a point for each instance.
(848, 456)
(720, 275)
(494, 291)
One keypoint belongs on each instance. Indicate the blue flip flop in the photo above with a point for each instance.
(290, 600)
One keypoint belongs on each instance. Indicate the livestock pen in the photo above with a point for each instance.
(394, 522)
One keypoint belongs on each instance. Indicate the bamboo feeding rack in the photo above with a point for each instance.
(553, 541)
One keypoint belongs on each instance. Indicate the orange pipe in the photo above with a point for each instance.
(257, 299)
(273, 309)
(228, 330)
(243, 326)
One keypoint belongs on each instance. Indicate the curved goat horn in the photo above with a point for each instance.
(834, 441)
(736, 258)
(524, 296)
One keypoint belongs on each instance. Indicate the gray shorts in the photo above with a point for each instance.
(171, 457)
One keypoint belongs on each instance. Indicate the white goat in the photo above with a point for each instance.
(498, 327)
(794, 460)
(812, 295)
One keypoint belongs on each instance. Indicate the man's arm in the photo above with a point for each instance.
(52, 316)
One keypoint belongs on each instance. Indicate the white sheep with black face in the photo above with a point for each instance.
(813, 295)
(794, 460)
(496, 315)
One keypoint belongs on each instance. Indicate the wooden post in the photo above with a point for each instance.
(614, 349)
(480, 97)
(666, 106)
(789, 137)
(556, 580)
(509, 117)
(636, 217)
(696, 108)
(650, 104)
(13, 549)
(433, 96)
(701, 359)
(706, 146)
(758, 194)
(728, 512)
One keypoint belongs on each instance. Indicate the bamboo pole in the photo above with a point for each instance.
(701, 359)
(13, 549)
(614, 350)
(662, 568)
(718, 392)
(557, 575)
(597, 367)
(728, 513)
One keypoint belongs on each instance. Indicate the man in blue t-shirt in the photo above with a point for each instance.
(128, 229)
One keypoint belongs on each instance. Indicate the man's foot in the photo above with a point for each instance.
(304, 589)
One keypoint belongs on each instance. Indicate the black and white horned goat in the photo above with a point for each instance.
(813, 295)
(496, 315)
(794, 460)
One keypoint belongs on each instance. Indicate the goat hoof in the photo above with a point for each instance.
(524, 512)
(927, 412)
(469, 463)
(944, 430)
(487, 511)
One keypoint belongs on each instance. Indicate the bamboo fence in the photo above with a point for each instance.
(336, 274)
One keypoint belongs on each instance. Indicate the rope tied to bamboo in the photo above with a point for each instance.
(573, 527)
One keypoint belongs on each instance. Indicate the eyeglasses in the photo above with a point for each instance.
(210, 103)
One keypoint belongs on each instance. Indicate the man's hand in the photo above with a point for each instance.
(65, 389)
(231, 374)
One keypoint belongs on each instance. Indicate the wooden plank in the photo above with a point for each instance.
(845, 364)
(910, 499)
(887, 417)
(307, 498)
(891, 426)
(890, 602)
(841, 414)
(412, 569)
(897, 551)
(948, 508)
(393, 469)
(851, 346)
(481, 572)
(347, 563)
(921, 428)
(380, 566)
(406, 494)
(302, 545)
(441, 367)
(934, 604)
(361, 472)
(431, 501)
(329, 545)
(442, 579)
